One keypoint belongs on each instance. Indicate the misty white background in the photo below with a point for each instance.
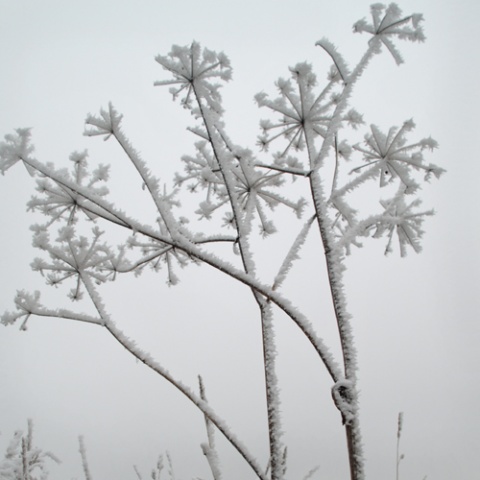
(415, 319)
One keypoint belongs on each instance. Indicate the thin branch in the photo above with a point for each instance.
(147, 359)
(209, 450)
(292, 171)
(83, 454)
(110, 213)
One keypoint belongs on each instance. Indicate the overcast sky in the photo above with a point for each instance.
(415, 319)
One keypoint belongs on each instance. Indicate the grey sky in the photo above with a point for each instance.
(416, 319)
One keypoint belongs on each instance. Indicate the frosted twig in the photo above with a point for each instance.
(83, 454)
(311, 472)
(273, 394)
(139, 476)
(237, 184)
(171, 473)
(209, 449)
(293, 254)
(400, 457)
(146, 358)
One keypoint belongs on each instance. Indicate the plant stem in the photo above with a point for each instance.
(243, 227)
(146, 359)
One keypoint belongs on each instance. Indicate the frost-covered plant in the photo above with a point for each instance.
(310, 121)
(24, 461)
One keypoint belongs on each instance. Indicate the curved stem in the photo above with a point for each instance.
(108, 212)
(243, 227)
(334, 261)
(146, 359)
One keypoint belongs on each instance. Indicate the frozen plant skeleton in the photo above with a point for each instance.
(23, 460)
(311, 126)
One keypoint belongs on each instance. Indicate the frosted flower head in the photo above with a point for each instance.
(71, 258)
(202, 172)
(303, 72)
(391, 157)
(402, 219)
(26, 304)
(302, 112)
(193, 70)
(344, 150)
(353, 118)
(15, 147)
(103, 124)
(155, 254)
(255, 187)
(79, 159)
(59, 202)
(388, 22)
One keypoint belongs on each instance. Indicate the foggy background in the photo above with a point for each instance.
(415, 319)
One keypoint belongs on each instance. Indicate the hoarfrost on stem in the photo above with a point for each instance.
(310, 120)
(23, 460)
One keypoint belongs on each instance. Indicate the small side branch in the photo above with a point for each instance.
(292, 171)
(209, 449)
(83, 454)
(146, 359)
(400, 456)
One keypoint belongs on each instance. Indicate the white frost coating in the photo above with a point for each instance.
(292, 255)
(224, 159)
(391, 24)
(212, 459)
(24, 460)
(96, 204)
(120, 218)
(300, 108)
(190, 64)
(334, 260)
(284, 304)
(107, 211)
(29, 304)
(392, 159)
(338, 60)
(273, 394)
(344, 397)
(209, 449)
(14, 148)
(239, 187)
(148, 360)
(109, 124)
